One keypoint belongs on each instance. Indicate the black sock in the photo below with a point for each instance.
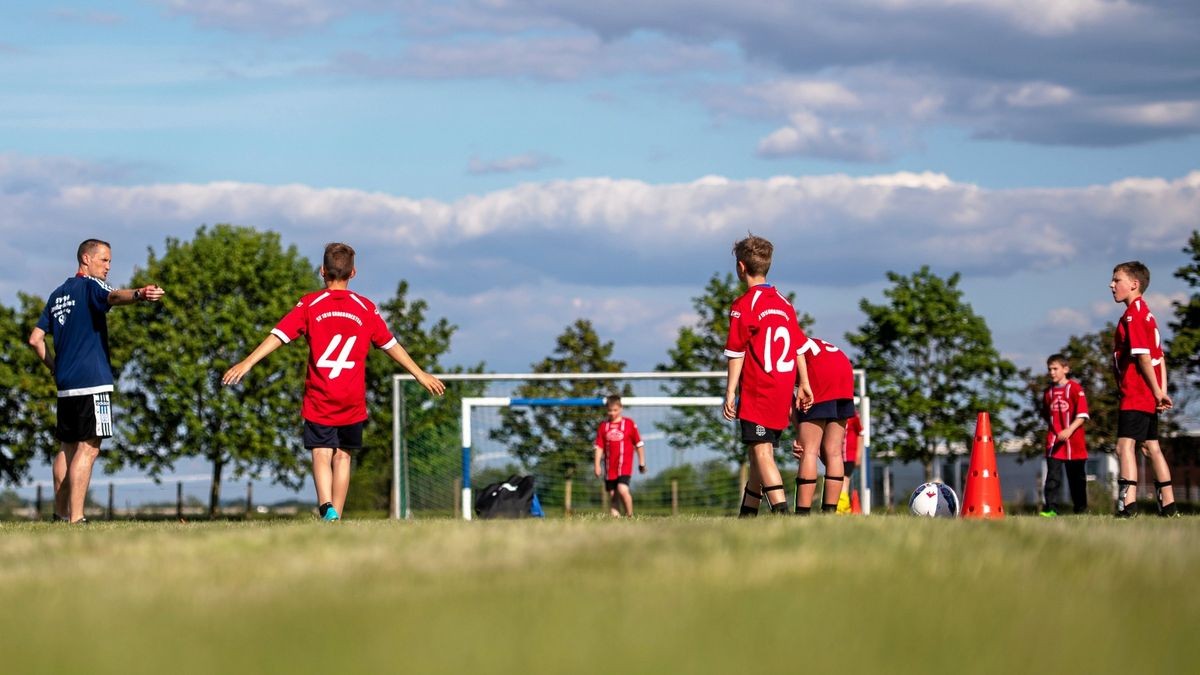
(1168, 510)
(780, 509)
(324, 508)
(803, 510)
(748, 511)
(829, 508)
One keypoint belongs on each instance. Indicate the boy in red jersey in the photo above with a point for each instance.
(616, 440)
(338, 325)
(821, 430)
(1065, 409)
(1141, 370)
(763, 326)
(852, 449)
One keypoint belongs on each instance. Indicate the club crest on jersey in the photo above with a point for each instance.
(735, 314)
(759, 430)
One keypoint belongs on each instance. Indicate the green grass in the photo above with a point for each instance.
(836, 594)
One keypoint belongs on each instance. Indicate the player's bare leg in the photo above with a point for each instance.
(809, 433)
(751, 494)
(626, 499)
(341, 479)
(1127, 476)
(58, 471)
(80, 460)
(762, 461)
(835, 472)
(1162, 477)
(612, 504)
(322, 470)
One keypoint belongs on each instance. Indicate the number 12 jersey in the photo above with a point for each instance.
(340, 327)
(763, 329)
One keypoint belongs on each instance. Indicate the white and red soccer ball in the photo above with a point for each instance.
(935, 500)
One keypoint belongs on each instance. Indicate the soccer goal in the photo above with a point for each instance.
(489, 426)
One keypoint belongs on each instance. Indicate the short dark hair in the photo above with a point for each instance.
(88, 247)
(1059, 359)
(755, 253)
(338, 262)
(1136, 270)
(612, 398)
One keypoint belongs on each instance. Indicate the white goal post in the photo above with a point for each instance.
(400, 503)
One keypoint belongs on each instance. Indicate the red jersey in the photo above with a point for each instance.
(617, 440)
(1061, 405)
(763, 329)
(829, 371)
(340, 327)
(1137, 333)
(854, 431)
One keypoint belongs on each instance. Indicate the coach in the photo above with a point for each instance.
(76, 317)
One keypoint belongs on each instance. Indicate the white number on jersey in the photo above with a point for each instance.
(342, 362)
(786, 362)
(813, 347)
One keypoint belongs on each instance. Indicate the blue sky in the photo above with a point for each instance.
(551, 159)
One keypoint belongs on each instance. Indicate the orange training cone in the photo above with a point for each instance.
(855, 504)
(982, 497)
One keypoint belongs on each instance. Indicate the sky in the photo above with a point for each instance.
(524, 163)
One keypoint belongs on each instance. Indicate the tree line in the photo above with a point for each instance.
(930, 361)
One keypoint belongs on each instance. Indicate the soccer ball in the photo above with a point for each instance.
(935, 500)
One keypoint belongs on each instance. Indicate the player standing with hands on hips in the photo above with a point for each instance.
(764, 363)
(340, 327)
(76, 318)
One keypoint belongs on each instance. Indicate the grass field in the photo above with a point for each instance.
(878, 594)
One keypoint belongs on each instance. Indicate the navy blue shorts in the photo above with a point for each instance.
(611, 485)
(754, 433)
(347, 437)
(1138, 425)
(837, 409)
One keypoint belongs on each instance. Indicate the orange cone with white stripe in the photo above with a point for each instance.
(982, 497)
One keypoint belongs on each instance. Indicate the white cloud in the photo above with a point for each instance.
(266, 16)
(530, 161)
(807, 135)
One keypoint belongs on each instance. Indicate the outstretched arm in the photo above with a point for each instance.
(237, 372)
(128, 296)
(431, 383)
(37, 340)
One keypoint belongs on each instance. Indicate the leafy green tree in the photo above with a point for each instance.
(1183, 352)
(556, 440)
(701, 347)
(1090, 356)
(931, 358)
(431, 425)
(27, 393)
(225, 290)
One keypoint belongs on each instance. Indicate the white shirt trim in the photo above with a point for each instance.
(281, 335)
(1139, 351)
(1084, 415)
(319, 298)
(734, 355)
(360, 302)
(391, 343)
(84, 391)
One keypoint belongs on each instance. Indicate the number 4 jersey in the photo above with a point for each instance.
(340, 327)
(763, 329)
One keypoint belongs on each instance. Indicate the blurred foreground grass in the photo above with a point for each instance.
(882, 594)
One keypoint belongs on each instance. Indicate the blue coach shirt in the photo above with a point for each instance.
(76, 316)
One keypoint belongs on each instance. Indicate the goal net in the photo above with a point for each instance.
(491, 426)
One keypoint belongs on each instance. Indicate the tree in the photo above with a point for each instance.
(431, 425)
(27, 394)
(556, 440)
(931, 358)
(1183, 353)
(701, 347)
(226, 289)
(1090, 357)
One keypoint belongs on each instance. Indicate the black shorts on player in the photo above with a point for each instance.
(848, 468)
(82, 418)
(347, 437)
(1138, 425)
(611, 485)
(837, 409)
(753, 434)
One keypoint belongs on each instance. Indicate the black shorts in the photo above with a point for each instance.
(1138, 425)
(81, 418)
(754, 433)
(347, 437)
(611, 485)
(837, 409)
(848, 469)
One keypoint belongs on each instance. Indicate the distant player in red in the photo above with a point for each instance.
(1065, 409)
(852, 449)
(821, 430)
(1141, 369)
(616, 441)
(340, 327)
(763, 347)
